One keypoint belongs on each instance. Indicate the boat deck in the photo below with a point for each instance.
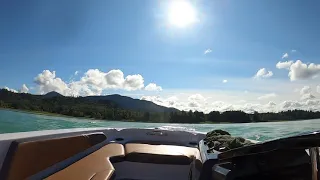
(149, 154)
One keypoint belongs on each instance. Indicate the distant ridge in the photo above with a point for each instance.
(129, 103)
(120, 101)
(52, 94)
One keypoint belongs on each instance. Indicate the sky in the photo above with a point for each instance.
(189, 54)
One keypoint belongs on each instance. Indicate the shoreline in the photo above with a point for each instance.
(84, 118)
(36, 112)
(88, 119)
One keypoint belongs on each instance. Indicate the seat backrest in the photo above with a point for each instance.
(27, 158)
(160, 154)
(95, 166)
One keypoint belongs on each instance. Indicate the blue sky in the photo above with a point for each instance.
(136, 37)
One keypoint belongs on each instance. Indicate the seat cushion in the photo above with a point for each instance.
(160, 154)
(28, 158)
(94, 166)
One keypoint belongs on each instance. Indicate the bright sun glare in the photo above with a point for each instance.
(181, 13)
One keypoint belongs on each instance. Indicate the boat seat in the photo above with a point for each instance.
(161, 154)
(27, 158)
(95, 166)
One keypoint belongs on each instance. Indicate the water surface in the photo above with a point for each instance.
(12, 121)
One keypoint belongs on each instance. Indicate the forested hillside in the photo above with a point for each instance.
(116, 107)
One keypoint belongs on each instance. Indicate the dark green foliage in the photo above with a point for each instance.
(77, 107)
(110, 109)
(220, 140)
(217, 132)
(129, 103)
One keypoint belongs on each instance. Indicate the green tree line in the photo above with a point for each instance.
(108, 110)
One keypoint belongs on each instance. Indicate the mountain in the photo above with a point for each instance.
(129, 103)
(122, 102)
(52, 94)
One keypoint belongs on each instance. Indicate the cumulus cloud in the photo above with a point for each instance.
(307, 96)
(153, 87)
(93, 82)
(318, 89)
(299, 70)
(195, 101)
(263, 73)
(8, 89)
(284, 65)
(306, 93)
(196, 97)
(168, 102)
(290, 105)
(133, 82)
(307, 103)
(267, 96)
(305, 90)
(207, 51)
(115, 78)
(285, 55)
(193, 104)
(271, 104)
(224, 81)
(47, 82)
(24, 89)
(95, 77)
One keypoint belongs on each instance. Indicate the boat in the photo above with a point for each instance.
(153, 154)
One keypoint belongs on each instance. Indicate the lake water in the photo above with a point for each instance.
(11, 121)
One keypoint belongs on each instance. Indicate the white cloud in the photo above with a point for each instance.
(299, 70)
(76, 73)
(307, 103)
(293, 50)
(47, 81)
(284, 65)
(290, 105)
(12, 90)
(93, 82)
(133, 82)
(307, 96)
(318, 89)
(80, 89)
(285, 55)
(207, 51)
(306, 93)
(196, 97)
(305, 90)
(168, 102)
(153, 87)
(24, 89)
(241, 101)
(224, 81)
(193, 104)
(271, 104)
(95, 77)
(267, 96)
(115, 78)
(263, 73)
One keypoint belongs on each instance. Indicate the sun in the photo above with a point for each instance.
(181, 13)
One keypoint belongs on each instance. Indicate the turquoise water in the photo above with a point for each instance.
(11, 121)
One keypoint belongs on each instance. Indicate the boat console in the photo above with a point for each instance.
(289, 158)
